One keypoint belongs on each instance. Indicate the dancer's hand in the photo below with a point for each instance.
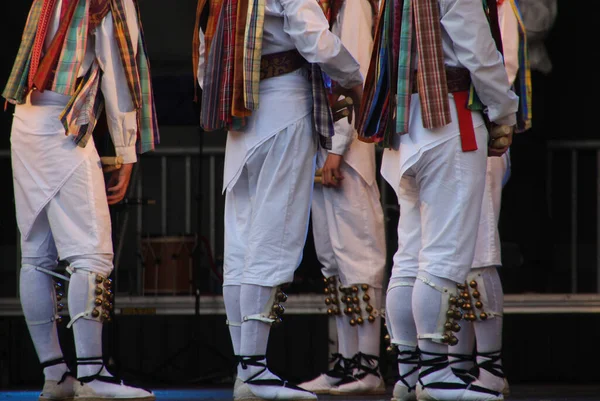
(355, 93)
(118, 184)
(332, 175)
(500, 139)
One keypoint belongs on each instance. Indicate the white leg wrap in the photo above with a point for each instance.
(234, 324)
(58, 294)
(447, 322)
(478, 296)
(390, 338)
(99, 303)
(273, 311)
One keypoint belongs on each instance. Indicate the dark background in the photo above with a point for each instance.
(535, 225)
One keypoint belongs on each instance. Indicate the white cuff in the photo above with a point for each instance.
(127, 153)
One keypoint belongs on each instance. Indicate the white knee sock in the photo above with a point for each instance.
(254, 333)
(427, 303)
(461, 355)
(347, 337)
(231, 297)
(38, 299)
(401, 324)
(489, 332)
(87, 333)
(369, 333)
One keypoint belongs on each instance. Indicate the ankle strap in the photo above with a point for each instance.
(52, 362)
(367, 368)
(96, 360)
(438, 362)
(491, 364)
(342, 367)
(252, 360)
(407, 357)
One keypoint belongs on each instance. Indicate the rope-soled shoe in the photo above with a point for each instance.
(437, 382)
(264, 385)
(366, 379)
(403, 390)
(58, 390)
(102, 387)
(323, 384)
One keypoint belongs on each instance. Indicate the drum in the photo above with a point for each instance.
(168, 265)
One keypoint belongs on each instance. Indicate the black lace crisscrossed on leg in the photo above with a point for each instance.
(106, 379)
(432, 365)
(491, 364)
(260, 361)
(439, 362)
(371, 367)
(342, 367)
(409, 358)
(97, 360)
(55, 362)
(466, 375)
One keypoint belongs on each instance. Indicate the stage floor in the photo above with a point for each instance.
(519, 392)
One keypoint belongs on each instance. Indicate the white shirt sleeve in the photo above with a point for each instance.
(354, 27)
(509, 29)
(307, 26)
(466, 24)
(201, 61)
(120, 113)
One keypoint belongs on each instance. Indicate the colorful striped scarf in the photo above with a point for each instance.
(391, 73)
(233, 63)
(522, 84)
(80, 115)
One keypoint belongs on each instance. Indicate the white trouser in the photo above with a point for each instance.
(488, 247)
(348, 229)
(60, 192)
(440, 204)
(267, 210)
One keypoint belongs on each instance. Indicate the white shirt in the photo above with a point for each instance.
(467, 42)
(289, 24)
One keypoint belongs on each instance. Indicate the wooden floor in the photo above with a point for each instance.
(519, 392)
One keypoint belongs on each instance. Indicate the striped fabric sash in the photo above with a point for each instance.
(40, 38)
(522, 84)
(209, 117)
(391, 69)
(238, 107)
(60, 68)
(64, 46)
(431, 75)
(137, 72)
(405, 68)
(229, 35)
(233, 68)
(17, 87)
(253, 52)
